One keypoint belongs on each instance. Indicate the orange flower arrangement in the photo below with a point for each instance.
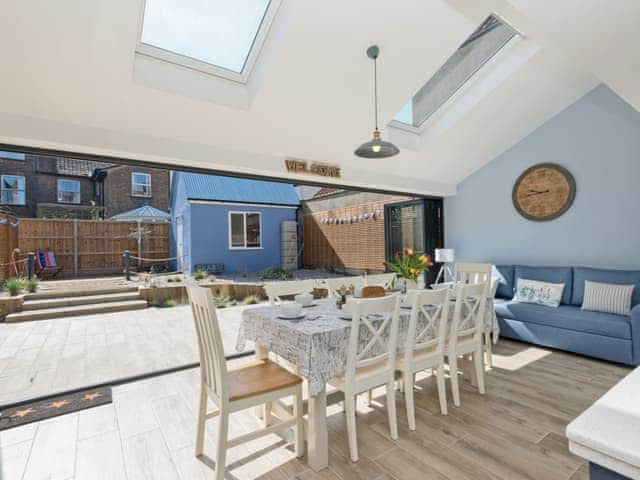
(408, 265)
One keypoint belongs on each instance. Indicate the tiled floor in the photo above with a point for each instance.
(514, 432)
(47, 356)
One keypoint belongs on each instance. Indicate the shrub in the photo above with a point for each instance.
(31, 285)
(273, 273)
(174, 279)
(166, 303)
(200, 274)
(221, 301)
(13, 285)
(252, 299)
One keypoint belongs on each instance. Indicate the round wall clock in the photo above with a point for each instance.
(544, 192)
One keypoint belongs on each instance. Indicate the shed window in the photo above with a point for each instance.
(68, 191)
(244, 230)
(12, 190)
(140, 184)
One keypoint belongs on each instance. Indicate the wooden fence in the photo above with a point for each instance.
(88, 247)
(8, 241)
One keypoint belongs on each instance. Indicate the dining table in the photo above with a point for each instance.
(316, 347)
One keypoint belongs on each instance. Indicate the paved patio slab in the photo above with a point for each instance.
(49, 356)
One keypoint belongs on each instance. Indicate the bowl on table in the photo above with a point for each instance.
(304, 299)
(290, 310)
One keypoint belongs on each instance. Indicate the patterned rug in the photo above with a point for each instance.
(52, 407)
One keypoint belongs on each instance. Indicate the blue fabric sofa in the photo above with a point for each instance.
(603, 335)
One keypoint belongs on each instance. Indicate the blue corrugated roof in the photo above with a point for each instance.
(229, 189)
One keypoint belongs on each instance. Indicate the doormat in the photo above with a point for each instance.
(52, 407)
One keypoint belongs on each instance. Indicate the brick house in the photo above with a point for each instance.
(36, 186)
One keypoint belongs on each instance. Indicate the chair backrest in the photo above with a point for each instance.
(473, 273)
(428, 322)
(275, 290)
(213, 365)
(468, 312)
(381, 279)
(334, 284)
(374, 334)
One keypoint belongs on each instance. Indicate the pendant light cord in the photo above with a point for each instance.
(375, 89)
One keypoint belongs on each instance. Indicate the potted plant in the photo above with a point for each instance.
(409, 266)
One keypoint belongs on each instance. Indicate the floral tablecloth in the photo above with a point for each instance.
(317, 344)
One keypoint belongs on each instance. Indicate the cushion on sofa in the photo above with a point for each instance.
(568, 317)
(506, 285)
(622, 277)
(548, 274)
(543, 293)
(607, 297)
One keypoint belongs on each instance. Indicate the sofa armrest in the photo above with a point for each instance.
(635, 334)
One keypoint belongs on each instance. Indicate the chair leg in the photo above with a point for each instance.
(453, 370)
(202, 412)
(391, 409)
(478, 360)
(350, 408)
(266, 414)
(221, 448)
(299, 430)
(370, 396)
(442, 389)
(488, 348)
(408, 398)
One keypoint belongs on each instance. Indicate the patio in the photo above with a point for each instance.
(515, 431)
(44, 357)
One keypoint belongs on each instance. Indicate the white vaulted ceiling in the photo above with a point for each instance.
(70, 79)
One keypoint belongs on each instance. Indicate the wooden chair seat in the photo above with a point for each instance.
(258, 377)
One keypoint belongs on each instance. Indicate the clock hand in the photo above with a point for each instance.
(536, 192)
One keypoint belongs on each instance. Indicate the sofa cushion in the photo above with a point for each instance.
(621, 277)
(567, 317)
(548, 274)
(506, 285)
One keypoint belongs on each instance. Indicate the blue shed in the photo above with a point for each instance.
(234, 222)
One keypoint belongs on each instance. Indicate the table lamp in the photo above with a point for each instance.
(445, 256)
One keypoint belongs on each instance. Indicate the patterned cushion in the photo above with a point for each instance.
(51, 260)
(542, 293)
(42, 260)
(607, 297)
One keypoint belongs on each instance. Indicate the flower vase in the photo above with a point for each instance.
(410, 284)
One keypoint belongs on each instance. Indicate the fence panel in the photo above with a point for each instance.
(90, 247)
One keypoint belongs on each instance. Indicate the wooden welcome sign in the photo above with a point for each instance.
(301, 166)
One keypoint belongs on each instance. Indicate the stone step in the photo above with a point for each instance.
(45, 294)
(79, 300)
(48, 313)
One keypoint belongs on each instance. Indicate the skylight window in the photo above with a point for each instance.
(482, 45)
(215, 36)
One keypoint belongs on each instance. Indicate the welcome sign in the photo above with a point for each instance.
(313, 168)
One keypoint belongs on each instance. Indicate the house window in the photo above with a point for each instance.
(68, 191)
(244, 230)
(12, 190)
(140, 184)
(12, 155)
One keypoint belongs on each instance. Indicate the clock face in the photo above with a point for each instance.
(544, 192)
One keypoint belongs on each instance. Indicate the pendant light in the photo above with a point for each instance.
(376, 148)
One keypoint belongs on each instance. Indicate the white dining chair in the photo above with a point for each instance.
(425, 344)
(465, 337)
(479, 273)
(371, 356)
(385, 280)
(257, 383)
(334, 284)
(276, 290)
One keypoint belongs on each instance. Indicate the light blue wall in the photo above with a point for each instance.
(209, 242)
(180, 206)
(598, 140)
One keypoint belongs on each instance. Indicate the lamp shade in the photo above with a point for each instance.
(445, 255)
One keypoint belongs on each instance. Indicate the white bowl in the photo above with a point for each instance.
(304, 299)
(290, 309)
